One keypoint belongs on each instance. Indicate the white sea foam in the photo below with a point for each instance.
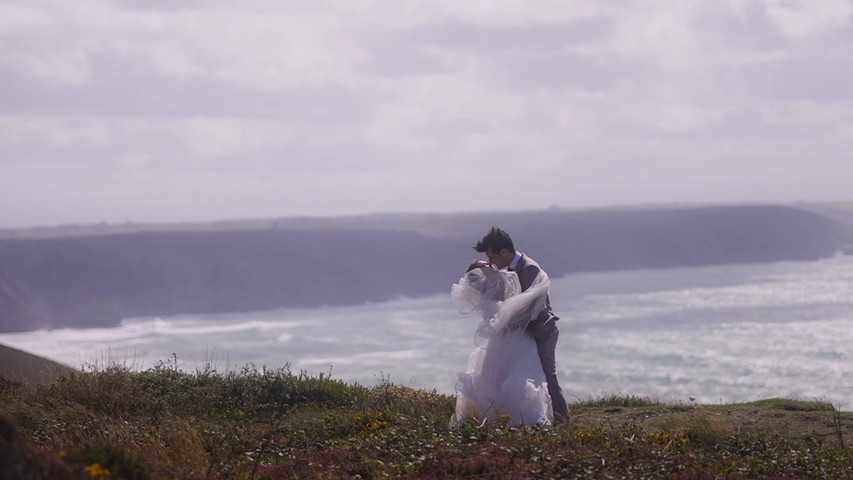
(719, 334)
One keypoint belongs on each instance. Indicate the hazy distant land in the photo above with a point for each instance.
(96, 275)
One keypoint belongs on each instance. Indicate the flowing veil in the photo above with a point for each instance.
(504, 377)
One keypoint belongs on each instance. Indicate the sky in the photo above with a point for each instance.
(200, 110)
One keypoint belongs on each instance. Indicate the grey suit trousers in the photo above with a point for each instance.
(546, 334)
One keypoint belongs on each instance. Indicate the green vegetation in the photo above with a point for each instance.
(794, 405)
(263, 424)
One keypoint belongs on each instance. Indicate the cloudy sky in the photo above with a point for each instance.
(145, 111)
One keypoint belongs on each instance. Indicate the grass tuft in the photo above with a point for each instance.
(618, 400)
(793, 405)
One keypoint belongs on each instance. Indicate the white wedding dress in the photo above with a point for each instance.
(504, 379)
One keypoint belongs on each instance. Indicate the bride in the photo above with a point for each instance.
(504, 376)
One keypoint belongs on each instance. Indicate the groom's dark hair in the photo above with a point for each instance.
(495, 240)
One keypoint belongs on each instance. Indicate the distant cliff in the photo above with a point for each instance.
(95, 280)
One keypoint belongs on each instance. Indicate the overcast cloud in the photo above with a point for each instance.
(201, 110)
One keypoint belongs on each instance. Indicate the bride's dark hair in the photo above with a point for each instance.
(496, 240)
(475, 264)
(487, 281)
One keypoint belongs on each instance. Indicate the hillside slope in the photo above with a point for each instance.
(24, 368)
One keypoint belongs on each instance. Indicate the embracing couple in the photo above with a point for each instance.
(512, 373)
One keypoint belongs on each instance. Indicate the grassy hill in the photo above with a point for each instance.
(270, 424)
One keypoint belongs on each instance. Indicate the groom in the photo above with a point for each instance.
(498, 247)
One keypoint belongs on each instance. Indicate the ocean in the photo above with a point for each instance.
(717, 334)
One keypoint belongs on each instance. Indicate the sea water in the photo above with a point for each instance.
(716, 334)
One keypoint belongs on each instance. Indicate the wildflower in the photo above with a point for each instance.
(97, 471)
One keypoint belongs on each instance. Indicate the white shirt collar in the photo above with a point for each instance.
(515, 260)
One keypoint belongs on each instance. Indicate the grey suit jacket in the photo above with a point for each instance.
(527, 269)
